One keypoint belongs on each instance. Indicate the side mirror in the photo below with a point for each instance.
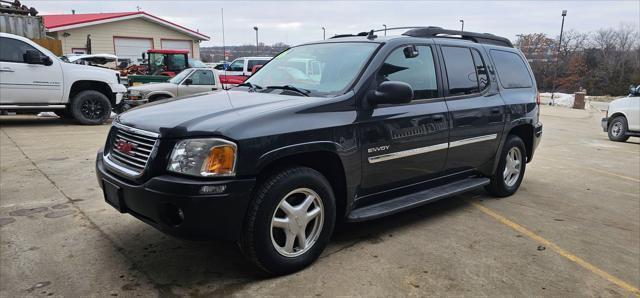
(188, 82)
(33, 57)
(391, 92)
(632, 90)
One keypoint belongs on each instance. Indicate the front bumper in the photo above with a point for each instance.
(604, 122)
(157, 201)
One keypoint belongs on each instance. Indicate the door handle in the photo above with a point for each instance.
(6, 69)
(214, 89)
(496, 111)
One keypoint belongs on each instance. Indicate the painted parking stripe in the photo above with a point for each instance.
(559, 250)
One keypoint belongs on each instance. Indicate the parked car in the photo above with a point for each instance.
(623, 117)
(188, 82)
(391, 123)
(240, 69)
(33, 80)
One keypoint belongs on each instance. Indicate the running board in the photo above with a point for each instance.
(415, 199)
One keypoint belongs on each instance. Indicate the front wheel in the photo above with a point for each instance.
(513, 162)
(290, 221)
(91, 107)
(618, 129)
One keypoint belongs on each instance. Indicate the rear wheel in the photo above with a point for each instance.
(290, 221)
(513, 162)
(618, 129)
(91, 107)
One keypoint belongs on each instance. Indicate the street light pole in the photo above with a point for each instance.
(555, 75)
(323, 33)
(385, 29)
(462, 21)
(256, 28)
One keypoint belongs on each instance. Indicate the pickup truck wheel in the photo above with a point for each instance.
(91, 107)
(618, 129)
(510, 171)
(290, 221)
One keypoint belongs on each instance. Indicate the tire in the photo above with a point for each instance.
(617, 130)
(91, 107)
(266, 245)
(504, 182)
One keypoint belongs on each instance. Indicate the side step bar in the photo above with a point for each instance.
(415, 199)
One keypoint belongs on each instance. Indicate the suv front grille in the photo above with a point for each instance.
(130, 149)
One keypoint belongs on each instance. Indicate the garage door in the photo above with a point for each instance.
(132, 48)
(178, 45)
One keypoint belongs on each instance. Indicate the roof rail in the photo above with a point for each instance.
(486, 38)
(433, 31)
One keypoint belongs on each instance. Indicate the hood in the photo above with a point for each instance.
(154, 87)
(94, 58)
(206, 114)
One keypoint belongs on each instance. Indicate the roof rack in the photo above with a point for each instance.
(433, 31)
(486, 38)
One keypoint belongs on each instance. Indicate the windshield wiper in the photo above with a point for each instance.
(304, 92)
(252, 87)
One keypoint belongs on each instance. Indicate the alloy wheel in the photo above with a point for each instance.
(297, 222)
(512, 166)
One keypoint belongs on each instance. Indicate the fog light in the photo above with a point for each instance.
(180, 214)
(213, 189)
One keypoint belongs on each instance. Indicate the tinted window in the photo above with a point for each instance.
(236, 66)
(481, 70)
(419, 71)
(252, 63)
(202, 77)
(461, 70)
(511, 69)
(13, 50)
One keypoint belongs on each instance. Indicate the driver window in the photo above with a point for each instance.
(202, 77)
(12, 50)
(236, 66)
(418, 71)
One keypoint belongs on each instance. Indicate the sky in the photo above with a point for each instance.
(295, 22)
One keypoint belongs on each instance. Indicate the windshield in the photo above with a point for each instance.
(323, 69)
(196, 63)
(179, 77)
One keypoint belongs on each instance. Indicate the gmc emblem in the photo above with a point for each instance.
(125, 147)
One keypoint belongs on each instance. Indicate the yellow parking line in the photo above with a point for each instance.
(558, 249)
(613, 174)
(598, 171)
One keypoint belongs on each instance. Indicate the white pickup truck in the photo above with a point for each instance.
(32, 79)
(623, 117)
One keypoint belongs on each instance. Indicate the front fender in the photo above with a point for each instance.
(289, 150)
(154, 93)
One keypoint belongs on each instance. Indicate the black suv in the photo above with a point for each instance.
(352, 128)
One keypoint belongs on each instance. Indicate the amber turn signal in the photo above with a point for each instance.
(221, 160)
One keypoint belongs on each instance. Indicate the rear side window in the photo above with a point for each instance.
(512, 70)
(252, 63)
(461, 71)
(13, 50)
(418, 71)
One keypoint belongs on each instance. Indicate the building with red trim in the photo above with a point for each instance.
(124, 34)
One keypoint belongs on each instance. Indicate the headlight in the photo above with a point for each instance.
(135, 94)
(204, 157)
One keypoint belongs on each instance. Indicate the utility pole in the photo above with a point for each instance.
(555, 75)
(256, 28)
(385, 29)
(462, 21)
(224, 49)
(323, 33)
